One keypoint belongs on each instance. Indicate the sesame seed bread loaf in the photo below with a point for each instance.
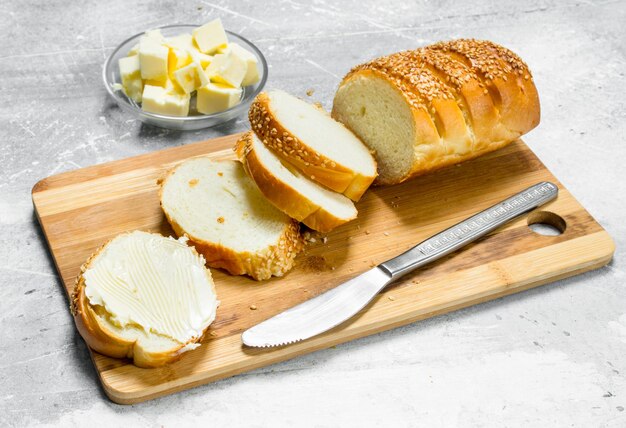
(220, 209)
(424, 109)
(306, 136)
(289, 190)
(144, 296)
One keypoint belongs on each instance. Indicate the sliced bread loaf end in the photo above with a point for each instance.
(438, 105)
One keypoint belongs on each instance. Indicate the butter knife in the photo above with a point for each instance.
(335, 306)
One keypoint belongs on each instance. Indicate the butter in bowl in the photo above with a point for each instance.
(185, 76)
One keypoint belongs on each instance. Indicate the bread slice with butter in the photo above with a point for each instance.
(220, 209)
(317, 207)
(307, 137)
(144, 296)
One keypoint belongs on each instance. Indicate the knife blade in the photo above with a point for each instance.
(341, 303)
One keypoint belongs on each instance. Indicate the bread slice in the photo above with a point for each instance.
(144, 296)
(307, 137)
(438, 105)
(219, 208)
(300, 198)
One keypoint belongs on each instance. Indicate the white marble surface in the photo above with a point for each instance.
(554, 356)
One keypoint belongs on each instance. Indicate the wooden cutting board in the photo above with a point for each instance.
(79, 210)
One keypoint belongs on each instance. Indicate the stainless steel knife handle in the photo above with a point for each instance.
(470, 229)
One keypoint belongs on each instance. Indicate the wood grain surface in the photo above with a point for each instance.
(79, 210)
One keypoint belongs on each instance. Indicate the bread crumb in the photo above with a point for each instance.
(315, 264)
(318, 105)
(324, 239)
(193, 182)
(220, 219)
(253, 307)
(310, 92)
(221, 174)
(391, 298)
(367, 232)
(386, 233)
(309, 237)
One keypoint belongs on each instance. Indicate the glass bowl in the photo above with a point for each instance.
(195, 120)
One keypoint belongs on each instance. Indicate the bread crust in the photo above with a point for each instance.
(275, 260)
(470, 96)
(313, 164)
(102, 339)
(506, 77)
(281, 194)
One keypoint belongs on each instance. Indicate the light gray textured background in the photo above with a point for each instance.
(554, 356)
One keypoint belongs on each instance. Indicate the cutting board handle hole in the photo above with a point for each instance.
(546, 223)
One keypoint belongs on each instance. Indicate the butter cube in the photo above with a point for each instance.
(210, 37)
(153, 58)
(161, 101)
(252, 72)
(203, 59)
(155, 35)
(224, 49)
(228, 69)
(131, 77)
(182, 41)
(215, 97)
(134, 50)
(167, 84)
(133, 89)
(190, 77)
(129, 67)
(177, 59)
